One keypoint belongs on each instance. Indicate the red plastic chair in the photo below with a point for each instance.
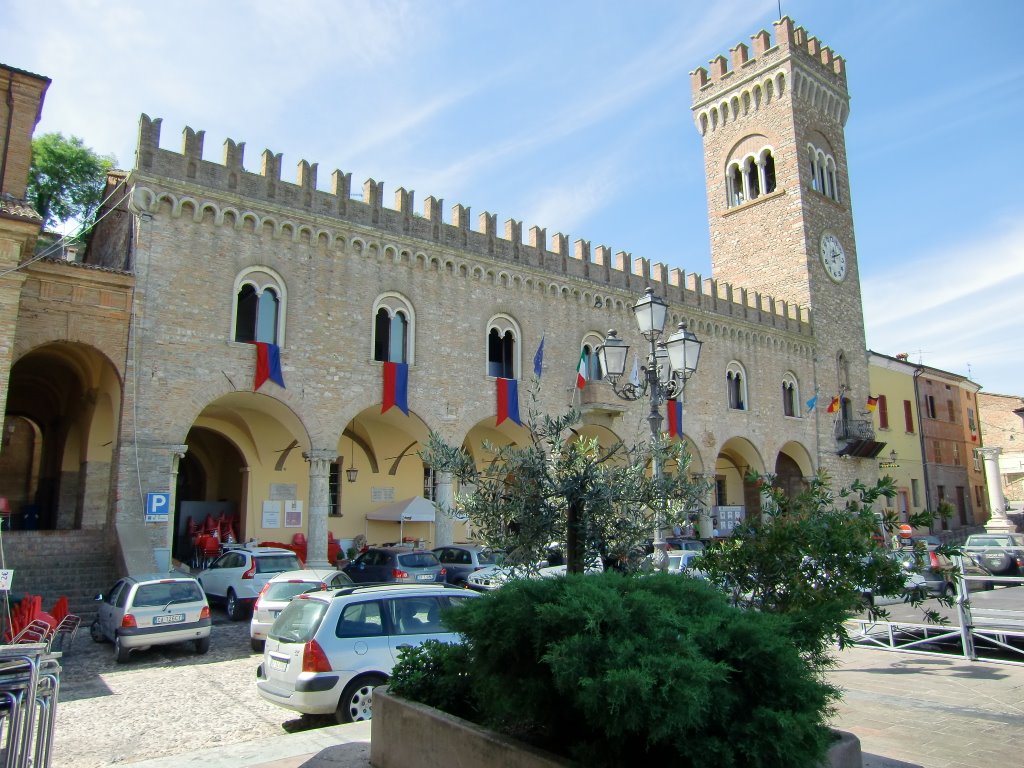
(211, 550)
(299, 539)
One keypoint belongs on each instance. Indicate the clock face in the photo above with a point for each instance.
(833, 257)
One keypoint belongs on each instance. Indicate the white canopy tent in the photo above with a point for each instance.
(412, 510)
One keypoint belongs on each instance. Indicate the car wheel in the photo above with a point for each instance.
(258, 645)
(96, 633)
(234, 606)
(357, 699)
(202, 644)
(120, 652)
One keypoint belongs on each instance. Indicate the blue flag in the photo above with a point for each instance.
(811, 403)
(538, 359)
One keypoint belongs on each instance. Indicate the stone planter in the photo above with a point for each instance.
(405, 734)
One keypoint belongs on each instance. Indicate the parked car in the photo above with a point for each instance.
(680, 561)
(914, 585)
(1001, 553)
(327, 651)
(675, 542)
(236, 577)
(279, 591)
(142, 611)
(938, 571)
(396, 565)
(460, 560)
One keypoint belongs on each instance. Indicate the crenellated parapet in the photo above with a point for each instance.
(228, 195)
(797, 63)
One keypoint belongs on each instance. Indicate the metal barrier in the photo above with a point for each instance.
(29, 688)
(988, 628)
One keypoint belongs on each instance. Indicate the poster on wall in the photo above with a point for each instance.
(293, 514)
(271, 514)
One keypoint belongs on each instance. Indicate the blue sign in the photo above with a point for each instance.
(158, 507)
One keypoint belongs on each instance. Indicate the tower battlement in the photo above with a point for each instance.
(311, 210)
(790, 41)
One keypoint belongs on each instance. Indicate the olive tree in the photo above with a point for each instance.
(565, 487)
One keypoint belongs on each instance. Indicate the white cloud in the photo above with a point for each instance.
(958, 308)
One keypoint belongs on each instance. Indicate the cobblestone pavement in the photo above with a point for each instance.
(163, 701)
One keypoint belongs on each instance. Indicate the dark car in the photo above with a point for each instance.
(396, 564)
(460, 560)
(939, 571)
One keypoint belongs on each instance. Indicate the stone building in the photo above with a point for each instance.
(1002, 424)
(159, 419)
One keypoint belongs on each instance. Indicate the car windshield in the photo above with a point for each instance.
(299, 621)
(277, 563)
(490, 557)
(990, 541)
(164, 592)
(418, 560)
(286, 590)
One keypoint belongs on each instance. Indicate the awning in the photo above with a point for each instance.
(414, 510)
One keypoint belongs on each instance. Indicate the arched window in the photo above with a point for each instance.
(259, 306)
(823, 172)
(393, 329)
(790, 395)
(502, 350)
(592, 367)
(751, 176)
(736, 385)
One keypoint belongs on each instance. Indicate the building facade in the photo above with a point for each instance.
(1002, 423)
(197, 264)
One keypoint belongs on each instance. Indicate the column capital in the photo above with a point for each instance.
(989, 453)
(320, 454)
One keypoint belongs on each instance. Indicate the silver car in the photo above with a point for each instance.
(327, 651)
(142, 611)
(279, 591)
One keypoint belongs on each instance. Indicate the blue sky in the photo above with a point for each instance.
(574, 116)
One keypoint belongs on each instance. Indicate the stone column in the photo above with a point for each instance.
(177, 454)
(705, 527)
(445, 502)
(998, 523)
(319, 489)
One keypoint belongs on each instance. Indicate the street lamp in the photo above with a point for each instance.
(670, 364)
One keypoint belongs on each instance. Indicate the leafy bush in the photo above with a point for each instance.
(611, 670)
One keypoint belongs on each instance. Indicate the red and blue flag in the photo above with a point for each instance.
(508, 401)
(396, 387)
(675, 418)
(268, 365)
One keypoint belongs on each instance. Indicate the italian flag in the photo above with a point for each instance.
(581, 371)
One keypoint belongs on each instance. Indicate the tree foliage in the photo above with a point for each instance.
(814, 557)
(613, 670)
(566, 487)
(66, 179)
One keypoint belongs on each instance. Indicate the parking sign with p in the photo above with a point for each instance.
(158, 507)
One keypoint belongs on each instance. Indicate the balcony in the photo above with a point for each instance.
(598, 397)
(859, 435)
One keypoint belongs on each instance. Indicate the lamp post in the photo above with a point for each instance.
(669, 365)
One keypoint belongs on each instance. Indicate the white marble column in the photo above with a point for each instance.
(319, 490)
(705, 526)
(998, 523)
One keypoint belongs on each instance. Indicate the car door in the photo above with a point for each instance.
(107, 612)
(216, 578)
(357, 569)
(361, 638)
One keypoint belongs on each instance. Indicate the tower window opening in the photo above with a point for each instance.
(769, 173)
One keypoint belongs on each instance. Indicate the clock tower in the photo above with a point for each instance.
(772, 119)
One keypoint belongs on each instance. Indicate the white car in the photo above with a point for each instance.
(236, 577)
(142, 611)
(680, 561)
(279, 591)
(327, 651)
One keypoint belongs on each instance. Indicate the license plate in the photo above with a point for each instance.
(426, 577)
(170, 618)
(278, 664)
(274, 614)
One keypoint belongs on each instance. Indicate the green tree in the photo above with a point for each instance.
(813, 557)
(564, 487)
(66, 179)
